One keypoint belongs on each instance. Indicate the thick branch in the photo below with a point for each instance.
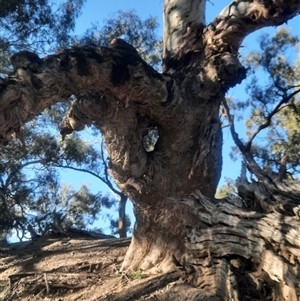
(39, 83)
(124, 126)
(268, 241)
(240, 18)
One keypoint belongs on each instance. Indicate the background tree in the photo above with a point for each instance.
(228, 190)
(223, 249)
(37, 25)
(34, 201)
(273, 108)
(78, 154)
(273, 105)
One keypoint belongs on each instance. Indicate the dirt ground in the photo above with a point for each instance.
(66, 268)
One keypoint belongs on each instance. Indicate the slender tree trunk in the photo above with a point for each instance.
(122, 224)
(242, 249)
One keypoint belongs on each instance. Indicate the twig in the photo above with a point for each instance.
(269, 117)
(47, 284)
(54, 286)
(23, 275)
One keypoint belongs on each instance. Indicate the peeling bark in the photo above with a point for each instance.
(223, 249)
(182, 22)
(253, 252)
(240, 18)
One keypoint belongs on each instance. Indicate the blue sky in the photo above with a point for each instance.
(96, 11)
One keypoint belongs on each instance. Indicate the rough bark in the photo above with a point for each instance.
(223, 248)
(252, 244)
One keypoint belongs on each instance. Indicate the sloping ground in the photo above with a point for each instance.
(62, 269)
(69, 269)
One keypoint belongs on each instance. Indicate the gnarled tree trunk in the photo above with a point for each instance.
(242, 249)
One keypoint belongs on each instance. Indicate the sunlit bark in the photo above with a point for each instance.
(182, 20)
(212, 243)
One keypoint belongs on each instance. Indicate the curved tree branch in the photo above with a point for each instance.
(246, 148)
(267, 123)
(104, 162)
(39, 83)
(240, 18)
(108, 183)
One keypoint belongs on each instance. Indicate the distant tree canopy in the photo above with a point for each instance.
(35, 25)
(272, 106)
(33, 199)
(30, 186)
(275, 104)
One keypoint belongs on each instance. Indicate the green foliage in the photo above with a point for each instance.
(274, 103)
(64, 208)
(37, 24)
(228, 190)
(137, 275)
(32, 197)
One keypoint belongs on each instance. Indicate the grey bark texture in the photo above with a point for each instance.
(241, 249)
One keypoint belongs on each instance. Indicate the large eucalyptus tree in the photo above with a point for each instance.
(242, 249)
